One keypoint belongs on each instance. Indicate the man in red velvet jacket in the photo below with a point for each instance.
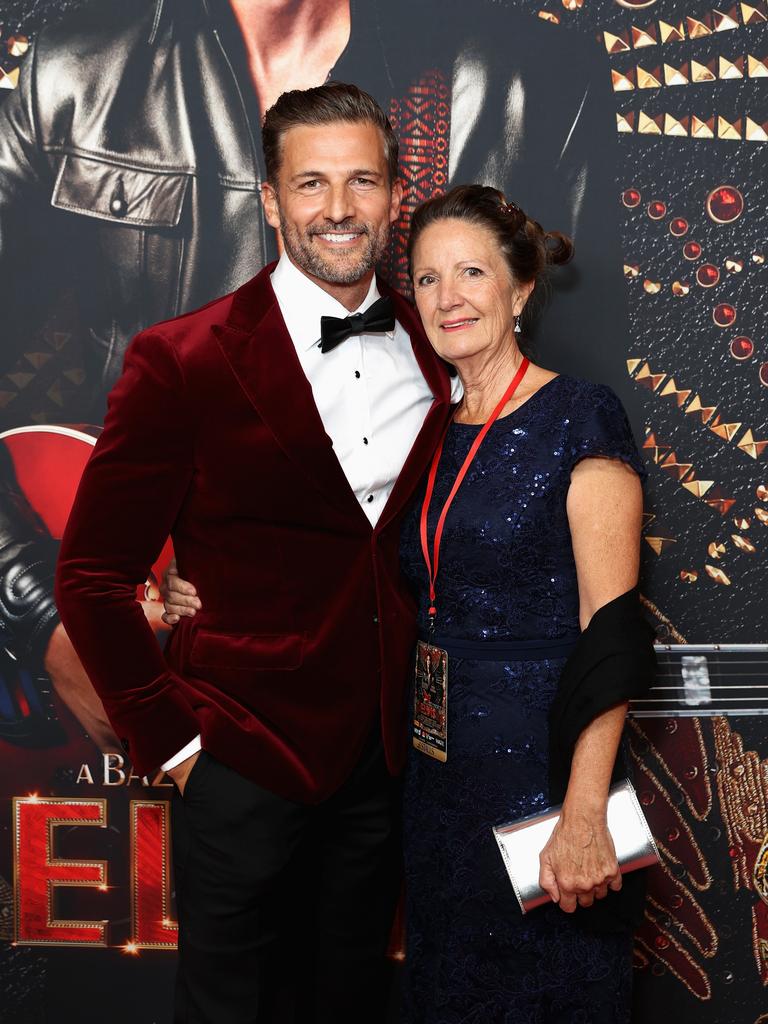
(287, 455)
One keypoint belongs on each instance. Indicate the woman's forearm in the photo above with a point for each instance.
(592, 766)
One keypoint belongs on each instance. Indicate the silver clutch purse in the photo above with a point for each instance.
(522, 841)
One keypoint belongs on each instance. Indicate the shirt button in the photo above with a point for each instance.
(369, 499)
(365, 440)
(357, 373)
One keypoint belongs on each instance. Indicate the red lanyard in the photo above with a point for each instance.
(433, 564)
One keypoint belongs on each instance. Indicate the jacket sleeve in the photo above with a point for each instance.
(129, 498)
(31, 237)
(27, 560)
(27, 553)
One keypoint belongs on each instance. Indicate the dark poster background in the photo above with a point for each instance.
(659, 167)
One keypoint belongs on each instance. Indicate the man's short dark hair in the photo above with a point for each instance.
(325, 104)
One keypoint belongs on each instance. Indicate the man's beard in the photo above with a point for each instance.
(348, 267)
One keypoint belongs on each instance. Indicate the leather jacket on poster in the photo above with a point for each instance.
(130, 166)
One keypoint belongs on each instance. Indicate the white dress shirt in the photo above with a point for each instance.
(369, 391)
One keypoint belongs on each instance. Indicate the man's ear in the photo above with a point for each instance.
(395, 200)
(269, 202)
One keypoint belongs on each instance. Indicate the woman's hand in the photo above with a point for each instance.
(180, 597)
(578, 864)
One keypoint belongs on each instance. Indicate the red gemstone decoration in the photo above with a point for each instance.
(707, 275)
(656, 209)
(742, 348)
(764, 374)
(725, 204)
(647, 798)
(630, 197)
(672, 835)
(734, 852)
(724, 314)
(676, 902)
(691, 250)
(661, 942)
(678, 226)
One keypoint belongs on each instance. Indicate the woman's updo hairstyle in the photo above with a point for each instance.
(527, 248)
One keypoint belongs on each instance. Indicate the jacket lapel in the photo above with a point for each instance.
(261, 355)
(436, 375)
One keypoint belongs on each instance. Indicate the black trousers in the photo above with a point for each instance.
(285, 909)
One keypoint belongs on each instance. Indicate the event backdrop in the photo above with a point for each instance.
(640, 126)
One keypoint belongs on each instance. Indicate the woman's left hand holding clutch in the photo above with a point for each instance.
(578, 864)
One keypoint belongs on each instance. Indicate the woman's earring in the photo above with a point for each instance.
(518, 328)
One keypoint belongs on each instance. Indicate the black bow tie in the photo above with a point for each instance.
(378, 317)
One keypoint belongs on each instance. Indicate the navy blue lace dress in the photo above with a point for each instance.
(508, 606)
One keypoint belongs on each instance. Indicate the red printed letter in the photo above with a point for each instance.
(37, 872)
(150, 876)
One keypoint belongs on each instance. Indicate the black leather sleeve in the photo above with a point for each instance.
(29, 232)
(28, 555)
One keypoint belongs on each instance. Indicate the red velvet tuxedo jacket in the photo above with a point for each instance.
(212, 435)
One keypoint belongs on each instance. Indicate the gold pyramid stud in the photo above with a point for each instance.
(648, 379)
(680, 470)
(658, 452)
(743, 543)
(717, 575)
(688, 575)
(616, 43)
(671, 388)
(717, 500)
(725, 21)
(550, 17)
(631, 270)
(659, 543)
(701, 129)
(715, 550)
(757, 67)
(725, 430)
(755, 132)
(698, 488)
(649, 125)
(703, 72)
(752, 15)
(648, 79)
(699, 27)
(621, 82)
(675, 125)
(632, 365)
(9, 79)
(625, 122)
(651, 287)
(671, 33)
(17, 46)
(676, 76)
(741, 523)
(728, 129)
(752, 447)
(644, 37)
(730, 69)
(705, 411)
(762, 515)
(762, 492)
(680, 288)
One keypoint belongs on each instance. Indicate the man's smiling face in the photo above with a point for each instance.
(333, 201)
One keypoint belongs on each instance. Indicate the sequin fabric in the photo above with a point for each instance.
(506, 573)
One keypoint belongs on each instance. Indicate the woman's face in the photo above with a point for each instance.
(464, 291)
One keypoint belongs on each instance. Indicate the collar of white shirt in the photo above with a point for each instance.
(302, 303)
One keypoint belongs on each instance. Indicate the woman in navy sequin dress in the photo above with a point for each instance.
(543, 530)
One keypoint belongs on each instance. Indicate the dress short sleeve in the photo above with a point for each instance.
(600, 428)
